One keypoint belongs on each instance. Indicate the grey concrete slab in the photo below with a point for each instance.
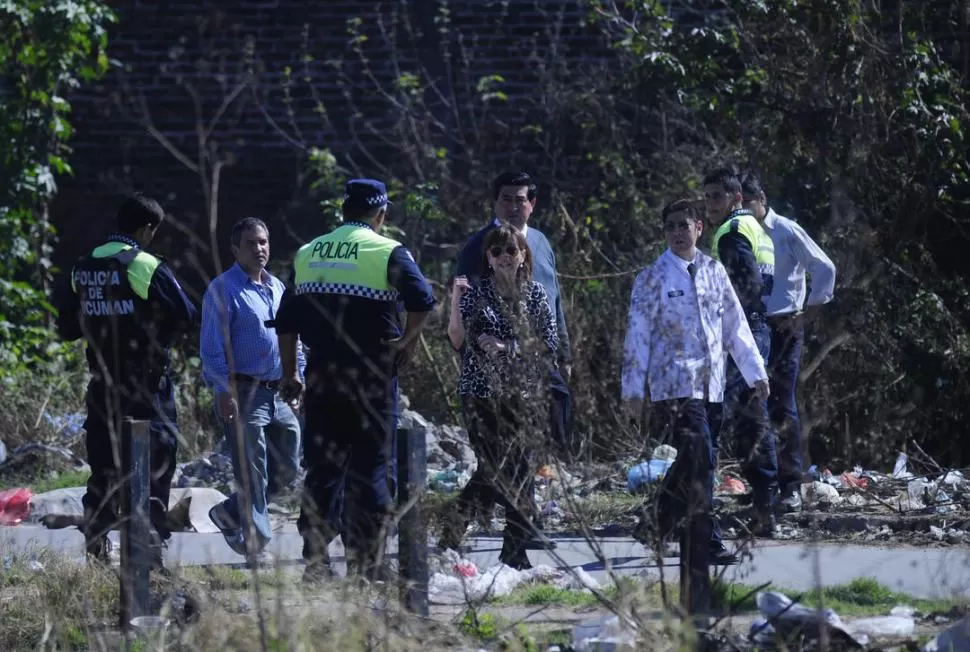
(921, 572)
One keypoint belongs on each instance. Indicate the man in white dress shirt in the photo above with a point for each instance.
(684, 315)
(788, 312)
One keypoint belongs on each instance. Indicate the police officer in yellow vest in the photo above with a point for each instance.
(129, 308)
(746, 251)
(344, 307)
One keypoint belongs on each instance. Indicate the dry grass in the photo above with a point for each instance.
(68, 606)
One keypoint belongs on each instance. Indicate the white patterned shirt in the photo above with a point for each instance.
(680, 332)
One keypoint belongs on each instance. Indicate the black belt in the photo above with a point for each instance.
(757, 316)
(268, 384)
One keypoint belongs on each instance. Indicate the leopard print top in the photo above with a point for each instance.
(530, 326)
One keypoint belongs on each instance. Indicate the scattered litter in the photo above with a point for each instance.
(607, 633)
(784, 619)
(821, 492)
(457, 587)
(546, 472)
(953, 478)
(455, 580)
(731, 485)
(883, 627)
(466, 569)
(14, 506)
(955, 638)
(853, 481)
(899, 471)
(577, 579)
(664, 452)
(646, 473)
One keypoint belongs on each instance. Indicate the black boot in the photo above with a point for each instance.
(98, 549)
(317, 555)
(514, 552)
(454, 524)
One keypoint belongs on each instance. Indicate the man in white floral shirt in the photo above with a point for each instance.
(684, 315)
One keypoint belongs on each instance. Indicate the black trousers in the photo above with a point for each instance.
(684, 498)
(347, 454)
(105, 411)
(499, 433)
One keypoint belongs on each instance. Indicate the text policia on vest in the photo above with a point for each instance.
(93, 300)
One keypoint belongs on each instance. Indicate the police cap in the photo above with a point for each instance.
(365, 194)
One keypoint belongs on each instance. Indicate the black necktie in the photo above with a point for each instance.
(692, 270)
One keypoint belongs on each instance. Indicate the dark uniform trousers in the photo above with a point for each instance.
(104, 449)
(784, 367)
(684, 498)
(350, 419)
(742, 419)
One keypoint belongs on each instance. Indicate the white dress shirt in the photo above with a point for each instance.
(679, 331)
(795, 254)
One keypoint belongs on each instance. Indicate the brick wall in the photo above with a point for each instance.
(179, 58)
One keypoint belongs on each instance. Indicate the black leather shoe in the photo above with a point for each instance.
(764, 525)
(539, 541)
(721, 556)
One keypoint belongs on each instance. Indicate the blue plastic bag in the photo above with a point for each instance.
(646, 473)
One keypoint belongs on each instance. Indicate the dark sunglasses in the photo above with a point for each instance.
(670, 227)
(498, 251)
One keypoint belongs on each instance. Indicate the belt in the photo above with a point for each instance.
(757, 316)
(776, 319)
(268, 384)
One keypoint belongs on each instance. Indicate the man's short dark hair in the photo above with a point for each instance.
(751, 184)
(243, 225)
(138, 211)
(354, 213)
(681, 206)
(725, 177)
(517, 179)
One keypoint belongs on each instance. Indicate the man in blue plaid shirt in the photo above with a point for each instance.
(241, 362)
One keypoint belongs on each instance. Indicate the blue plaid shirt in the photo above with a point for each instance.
(234, 336)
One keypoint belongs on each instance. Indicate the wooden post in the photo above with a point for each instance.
(136, 526)
(412, 480)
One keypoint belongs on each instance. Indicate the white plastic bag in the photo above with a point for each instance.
(604, 634)
(883, 627)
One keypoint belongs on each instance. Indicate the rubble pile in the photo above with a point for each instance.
(932, 508)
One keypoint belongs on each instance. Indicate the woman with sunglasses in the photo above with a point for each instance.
(512, 336)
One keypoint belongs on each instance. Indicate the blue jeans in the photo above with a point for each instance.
(264, 445)
(784, 365)
(744, 419)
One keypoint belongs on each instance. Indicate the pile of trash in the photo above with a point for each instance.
(455, 580)
(899, 491)
(213, 470)
(784, 621)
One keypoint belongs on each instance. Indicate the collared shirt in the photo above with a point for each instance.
(795, 254)
(679, 331)
(234, 337)
(524, 231)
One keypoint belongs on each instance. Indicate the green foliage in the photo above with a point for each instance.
(862, 596)
(47, 49)
(855, 121)
(484, 627)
